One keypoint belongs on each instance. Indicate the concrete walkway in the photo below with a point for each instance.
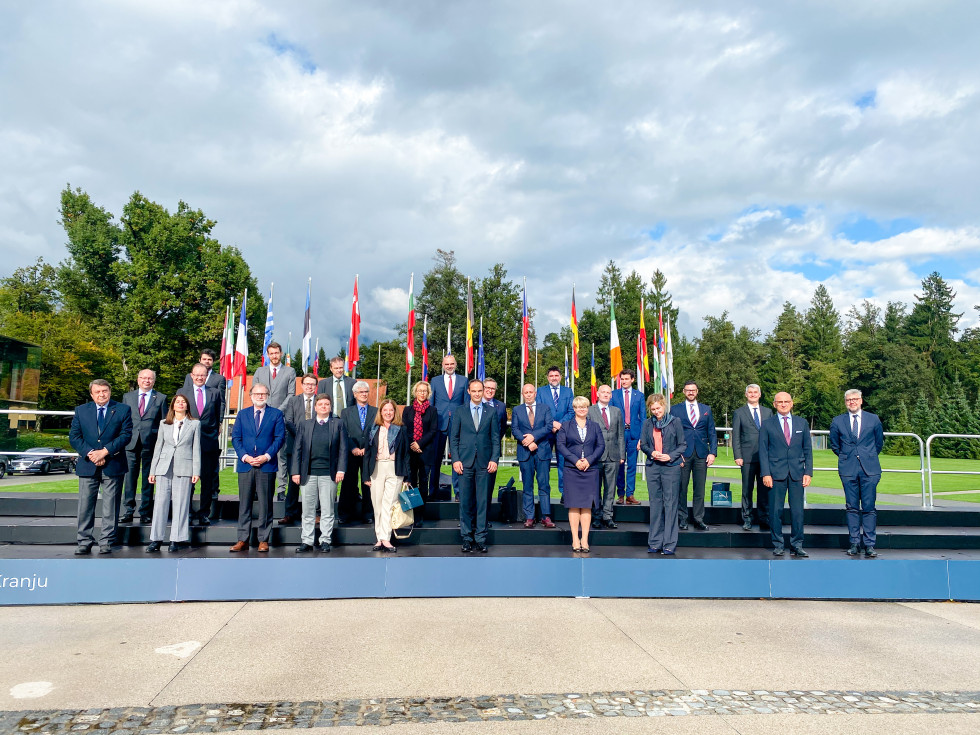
(156, 656)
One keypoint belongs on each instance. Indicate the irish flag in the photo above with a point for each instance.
(615, 354)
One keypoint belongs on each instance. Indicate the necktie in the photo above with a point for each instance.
(786, 430)
(854, 426)
(694, 415)
(338, 396)
(476, 417)
(626, 406)
(142, 403)
(309, 406)
(101, 418)
(273, 372)
(321, 422)
(200, 401)
(180, 425)
(450, 389)
(555, 391)
(362, 413)
(258, 419)
(605, 418)
(530, 414)
(755, 414)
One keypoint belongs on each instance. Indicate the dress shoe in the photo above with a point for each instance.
(389, 549)
(700, 525)
(287, 521)
(547, 522)
(240, 546)
(323, 548)
(369, 520)
(778, 551)
(596, 524)
(174, 547)
(128, 518)
(669, 552)
(83, 550)
(620, 501)
(651, 550)
(467, 547)
(147, 520)
(798, 551)
(682, 526)
(378, 547)
(304, 549)
(632, 501)
(264, 546)
(153, 547)
(853, 550)
(482, 548)
(105, 550)
(202, 521)
(870, 552)
(529, 523)
(609, 524)
(747, 526)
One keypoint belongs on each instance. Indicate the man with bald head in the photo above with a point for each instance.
(786, 464)
(531, 425)
(148, 408)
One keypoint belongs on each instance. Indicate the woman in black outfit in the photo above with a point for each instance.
(420, 420)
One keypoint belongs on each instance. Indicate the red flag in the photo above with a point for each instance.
(225, 359)
(353, 352)
(410, 340)
(525, 328)
(574, 336)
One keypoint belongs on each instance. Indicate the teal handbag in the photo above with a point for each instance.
(409, 497)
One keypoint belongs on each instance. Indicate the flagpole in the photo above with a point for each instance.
(505, 376)
(227, 396)
(535, 365)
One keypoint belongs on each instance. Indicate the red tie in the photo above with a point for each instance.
(626, 406)
(605, 418)
(450, 386)
(273, 373)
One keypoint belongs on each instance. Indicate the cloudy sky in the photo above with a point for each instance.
(750, 150)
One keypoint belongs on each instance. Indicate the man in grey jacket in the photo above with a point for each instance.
(610, 419)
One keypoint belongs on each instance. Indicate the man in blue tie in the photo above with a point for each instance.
(786, 463)
(857, 437)
(558, 398)
(474, 440)
(746, 423)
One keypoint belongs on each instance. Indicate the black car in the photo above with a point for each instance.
(61, 460)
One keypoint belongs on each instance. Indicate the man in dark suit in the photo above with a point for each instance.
(338, 386)
(489, 393)
(702, 447)
(99, 432)
(632, 408)
(295, 411)
(857, 438)
(148, 408)
(559, 399)
(610, 420)
(448, 392)
(258, 435)
(207, 406)
(746, 423)
(531, 427)
(357, 421)
(214, 377)
(280, 379)
(786, 463)
(474, 438)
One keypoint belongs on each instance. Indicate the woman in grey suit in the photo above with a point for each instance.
(176, 465)
(662, 440)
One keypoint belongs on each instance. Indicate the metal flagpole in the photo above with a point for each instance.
(505, 376)
(535, 365)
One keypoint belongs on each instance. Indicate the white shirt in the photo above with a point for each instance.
(177, 425)
(850, 420)
(697, 411)
(203, 393)
(447, 377)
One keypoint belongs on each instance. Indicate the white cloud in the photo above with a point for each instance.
(907, 99)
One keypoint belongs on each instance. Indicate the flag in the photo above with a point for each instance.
(639, 366)
(269, 324)
(425, 348)
(410, 340)
(642, 357)
(481, 368)
(241, 345)
(316, 359)
(525, 328)
(469, 329)
(226, 358)
(574, 337)
(568, 377)
(595, 388)
(662, 355)
(307, 333)
(615, 354)
(449, 339)
(669, 350)
(353, 351)
(289, 343)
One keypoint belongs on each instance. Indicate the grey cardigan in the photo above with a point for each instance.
(184, 457)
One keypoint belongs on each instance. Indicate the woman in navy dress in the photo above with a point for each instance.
(580, 442)
(662, 440)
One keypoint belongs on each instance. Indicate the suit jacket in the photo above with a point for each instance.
(474, 447)
(572, 448)
(326, 386)
(673, 442)
(84, 436)
(501, 410)
(293, 415)
(745, 435)
(430, 430)
(779, 460)
(357, 438)
(398, 442)
(303, 448)
(280, 389)
(561, 412)
(637, 411)
(184, 455)
(145, 426)
(614, 437)
(210, 418)
(215, 380)
(267, 439)
(541, 431)
(857, 453)
(444, 403)
(701, 437)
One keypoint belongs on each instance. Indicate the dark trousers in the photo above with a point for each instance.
(860, 493)
(138, 460)
(752, 482)
(418, 474)
(698, 466)
(540, 469)
(626, 477)
(352, 490)
(663, 483)
(777, 497)
(253, 485)
(294, 508)
(88, 494)
(208, 504)
(437, 467)
(473, 504)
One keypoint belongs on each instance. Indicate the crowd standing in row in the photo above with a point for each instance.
(329, 436)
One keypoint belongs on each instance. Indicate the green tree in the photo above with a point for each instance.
(932, 325)
(722, 366)
(443, 300)
(783, 366)
(659, 299)
(30, 290)
(902, 445)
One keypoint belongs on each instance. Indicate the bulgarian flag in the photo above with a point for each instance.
(410, 340)
(425, 348)
(595, 388)
(574, 336)
(615, 354)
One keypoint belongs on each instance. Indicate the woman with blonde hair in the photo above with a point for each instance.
(662, 440)
(422, 424)
(580, 442)
(386, 467)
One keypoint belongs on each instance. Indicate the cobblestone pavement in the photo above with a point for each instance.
(655, 703)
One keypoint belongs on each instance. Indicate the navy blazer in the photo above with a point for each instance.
(541, 431)
(398, 441)
(779, 460)
(561, 412)
(571, 447)
(469, 445)
(701, 438)
(638, 410)
(303, 445)
(269, 438)
(84, 436)
(857, 454)
(211, 418)
(430, 428)
(444, 403)
(673, 442)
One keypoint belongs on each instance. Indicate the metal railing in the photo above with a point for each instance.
(945, 472)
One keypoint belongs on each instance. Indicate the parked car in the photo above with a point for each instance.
(61, 461)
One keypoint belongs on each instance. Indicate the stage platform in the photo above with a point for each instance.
(924, 555)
